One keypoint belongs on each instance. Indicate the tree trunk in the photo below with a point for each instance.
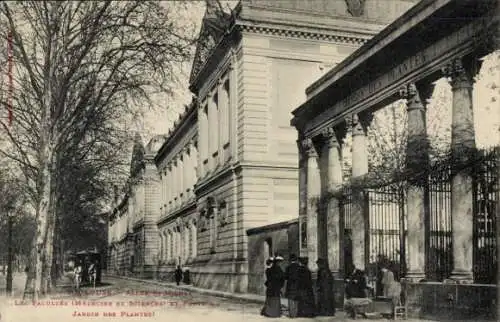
(43, 216)
(49, 244)
(49, 252)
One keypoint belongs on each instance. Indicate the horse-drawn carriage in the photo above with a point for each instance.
(86, 258)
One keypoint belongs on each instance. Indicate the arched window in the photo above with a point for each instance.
(172, 244)
(166, 245)
(194, 241)
(161, 246)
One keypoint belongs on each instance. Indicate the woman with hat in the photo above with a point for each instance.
(275, 279)
(324, 285)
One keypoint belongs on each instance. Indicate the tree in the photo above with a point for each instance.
(78, 61)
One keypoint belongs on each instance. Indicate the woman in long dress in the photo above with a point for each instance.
(275, 279)
(324, 284)
(307, 303)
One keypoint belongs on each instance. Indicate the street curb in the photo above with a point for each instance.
(250, 298)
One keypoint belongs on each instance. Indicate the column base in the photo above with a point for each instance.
(414, 277)
(337, 275)
(460, 277)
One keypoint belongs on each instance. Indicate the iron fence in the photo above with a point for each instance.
(439, 261)
(387, 232)
(486, 197)
(387, 228)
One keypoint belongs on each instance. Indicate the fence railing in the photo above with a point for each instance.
(387, 223)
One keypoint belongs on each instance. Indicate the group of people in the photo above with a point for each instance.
(297, 281)
(181, 275)
(299, 289)
(359, 294)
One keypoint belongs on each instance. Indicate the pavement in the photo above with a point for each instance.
(131, 299)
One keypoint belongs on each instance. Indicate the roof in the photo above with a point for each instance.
(272, 227)
(422, 25)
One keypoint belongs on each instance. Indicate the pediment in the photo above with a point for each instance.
(214, 26)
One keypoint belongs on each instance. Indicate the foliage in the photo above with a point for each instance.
(83, 73)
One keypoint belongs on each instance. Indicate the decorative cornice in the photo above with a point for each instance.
(189, 114)
(303, 34)
(189, 206)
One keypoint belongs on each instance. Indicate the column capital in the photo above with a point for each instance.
(411, 94)
(330, 136)
(360, 123)
(308, 147)
(460, 74)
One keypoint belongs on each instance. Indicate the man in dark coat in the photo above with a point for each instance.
(178, 275)
(292, 286)
(307, 303)
(324, 285)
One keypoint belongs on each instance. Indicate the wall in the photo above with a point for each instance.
(374, 10)
(273, 73)
(284, 240)
(452, 301)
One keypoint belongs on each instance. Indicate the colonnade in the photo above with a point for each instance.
(324, 150)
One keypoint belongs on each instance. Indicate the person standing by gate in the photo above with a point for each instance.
(292, 286)
(307, 302)
(324, 284)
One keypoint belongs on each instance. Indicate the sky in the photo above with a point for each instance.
(485, 96)
(160, 121)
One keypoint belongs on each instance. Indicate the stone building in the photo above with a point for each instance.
(132, 225)
(246, 79)
(343, 101)
(279, 239)
(230, 163)
(177, 161)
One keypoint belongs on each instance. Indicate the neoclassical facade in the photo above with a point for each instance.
(132, 224)
(250, 70)
(343, 102)
(177, 163)
(230, 162)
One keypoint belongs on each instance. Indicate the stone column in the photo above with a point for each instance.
(462, 148)
(221, 117)
(203, 139)
(169, 186)
(302, 197)
(194, 243)
(214, 131)
(180, 162)
(313, 192)
(194, 163)
(186, 169)
(175, 182)
(417, 161)
(359, 169)
(333, 183)
(162, 192)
